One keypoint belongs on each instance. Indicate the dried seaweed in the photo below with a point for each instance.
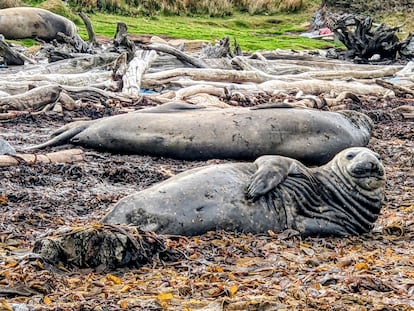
(216, 271)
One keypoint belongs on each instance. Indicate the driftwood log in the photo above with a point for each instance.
(34, 99)
(10, 56)
(64, 156)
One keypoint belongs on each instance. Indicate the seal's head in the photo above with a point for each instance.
(361, 167)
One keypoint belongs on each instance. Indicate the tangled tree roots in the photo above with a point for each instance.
(364, 40)
(105, 246)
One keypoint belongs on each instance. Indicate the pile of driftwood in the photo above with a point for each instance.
(66, 76)
(365, 41)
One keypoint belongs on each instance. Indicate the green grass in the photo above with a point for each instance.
(253, 33)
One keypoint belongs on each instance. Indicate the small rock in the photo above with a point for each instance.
(6, 148)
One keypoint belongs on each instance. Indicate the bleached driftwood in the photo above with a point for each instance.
(89, 29)
(206, 100)
(177, 53)
(313, 86)
(10, 56)
(220, 50)
(35, 99)
(321, 86)
(135, 70)
(406, 111)
(64, 156)
(121, 41)
(398, 89)
(77, 79)
(197, 89)
(19, 87)
(251, 74)
(151, 80)
(95, 95)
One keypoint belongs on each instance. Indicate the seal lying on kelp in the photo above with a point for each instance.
(188, 132)
(27, 22)
(340, 198)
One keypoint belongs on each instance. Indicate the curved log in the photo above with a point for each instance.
(35, 99)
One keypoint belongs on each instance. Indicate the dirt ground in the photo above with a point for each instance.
(221, 270)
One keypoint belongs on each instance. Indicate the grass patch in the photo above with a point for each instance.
(251, 32)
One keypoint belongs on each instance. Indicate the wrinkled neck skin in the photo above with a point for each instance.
(330, 205)
(362, 122)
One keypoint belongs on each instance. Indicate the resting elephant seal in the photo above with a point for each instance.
(340, 198)
(27, 22)
(189, 132)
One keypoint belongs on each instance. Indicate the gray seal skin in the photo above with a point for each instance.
(27, 22)
(275, 193)
(191, 133)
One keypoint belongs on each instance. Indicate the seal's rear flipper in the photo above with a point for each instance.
(62, 135)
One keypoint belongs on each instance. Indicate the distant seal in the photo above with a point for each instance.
(187, 132)
(340, 198)
(28, 22)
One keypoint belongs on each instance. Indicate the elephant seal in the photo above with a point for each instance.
(27, 22)
(188, 132)
(275, 193)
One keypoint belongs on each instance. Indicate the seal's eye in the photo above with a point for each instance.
(350, 155)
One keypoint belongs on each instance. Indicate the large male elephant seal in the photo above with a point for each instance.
(184, 132)
(340, 198)
(27, 22)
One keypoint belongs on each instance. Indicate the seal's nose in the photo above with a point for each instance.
(368, 164)
(374, 166)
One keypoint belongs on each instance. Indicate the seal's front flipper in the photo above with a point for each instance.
(271, 171)
(171, 107)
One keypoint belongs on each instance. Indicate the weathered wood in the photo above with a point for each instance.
(406, 111)
(95, 95)
(197, 89)
(398, 89)
(306, 86)
(10, 57)
(79, 46)
(136, 68)
(35, 99)
(77, 79)
(12, 114)
(363, 40)
(346, 74)
(89, 29)
(220, 50)
(287, 83)
(316, 86)
(120, 67)
(121, 41)
(64, 156)
(177, 53)
(156, 79)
